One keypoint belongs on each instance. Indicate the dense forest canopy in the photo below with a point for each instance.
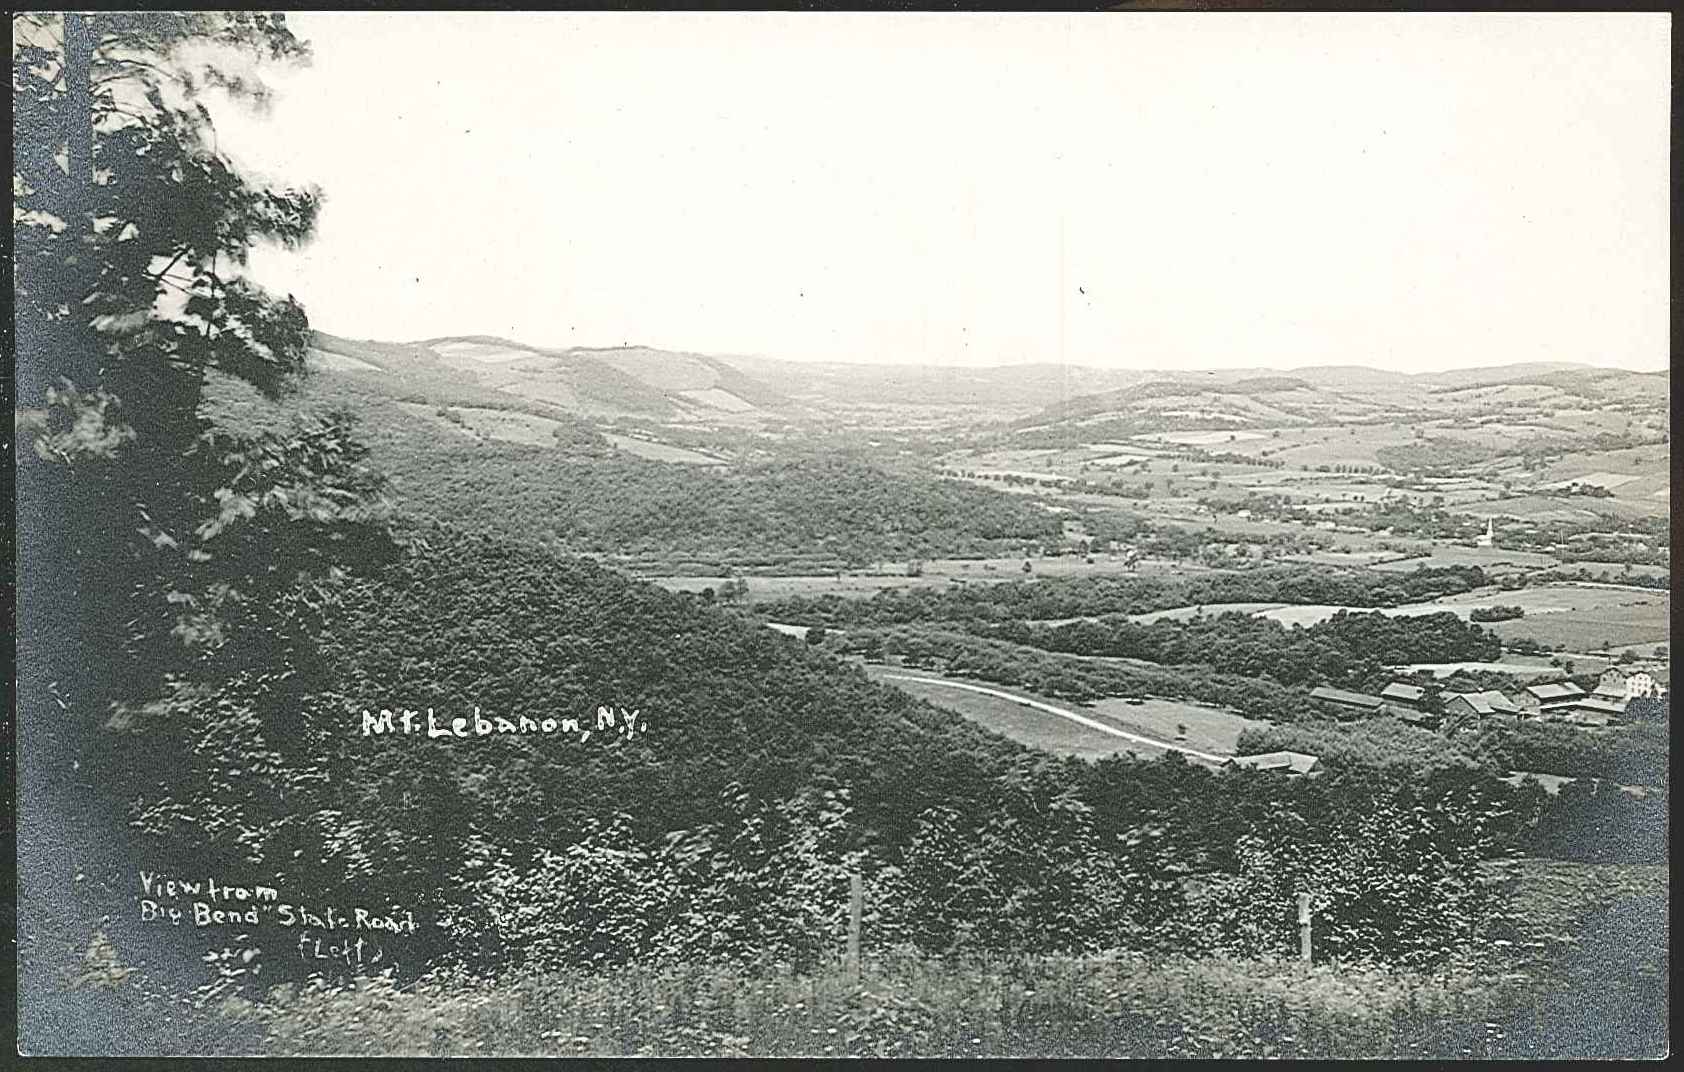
(1346, 649)
(1075, 597)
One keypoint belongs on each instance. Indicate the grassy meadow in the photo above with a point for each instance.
(1209, 729)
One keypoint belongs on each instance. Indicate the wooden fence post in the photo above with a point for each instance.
(1304, 927)
(856, 909)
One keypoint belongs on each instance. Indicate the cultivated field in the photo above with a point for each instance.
(509, 425)
(1023, 724)
(340, 362)
(1585, 618)
(660, 452)
(430, 413)
(1574, 633)
(1209, 730)
(1519, 666)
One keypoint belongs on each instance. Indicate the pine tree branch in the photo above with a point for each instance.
(180, 253)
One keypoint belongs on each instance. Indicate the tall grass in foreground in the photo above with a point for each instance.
(904, 1006)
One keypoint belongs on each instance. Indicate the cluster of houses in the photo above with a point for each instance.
(1556, 701)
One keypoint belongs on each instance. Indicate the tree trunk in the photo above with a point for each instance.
(80, 363)
(79, 119)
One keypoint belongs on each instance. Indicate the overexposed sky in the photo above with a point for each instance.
(1413, 192)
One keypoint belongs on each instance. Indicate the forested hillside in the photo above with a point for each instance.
(276, 759)
(278, 770)
(817, 510)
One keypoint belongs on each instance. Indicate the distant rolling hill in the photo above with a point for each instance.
(1338, 395)
(678, 388)
(631, 381)
(1003, 390)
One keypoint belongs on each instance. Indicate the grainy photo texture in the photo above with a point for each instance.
(787, 534)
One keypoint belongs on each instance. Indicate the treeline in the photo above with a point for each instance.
(1591, 819)
(1076, 597)
(1070, 677)
(1640, 541)
(1275, 507)
(1596, 821)
(1346, 649)
(1081, 1007)
(1659, 581)
(1634, 754)
(1499, 612)
(1436, 455)
(1384, 743)
(1083, 862)
(1217, 547)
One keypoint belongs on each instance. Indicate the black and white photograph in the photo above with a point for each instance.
(810, 534)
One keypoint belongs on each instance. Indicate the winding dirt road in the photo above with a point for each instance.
(1061, 712)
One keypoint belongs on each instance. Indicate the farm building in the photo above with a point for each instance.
(1621, 683)
(1550, 699)
(1291, 764)
(1596, 711)
(1648, 683)
(1471, 708)
(1488, 702)
(1406, 695)
(1352, 701)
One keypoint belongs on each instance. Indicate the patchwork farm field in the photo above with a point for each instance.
(1581, 618)
(1578, 508)
(1587, 634)
(509, 426)
(1323, 445)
